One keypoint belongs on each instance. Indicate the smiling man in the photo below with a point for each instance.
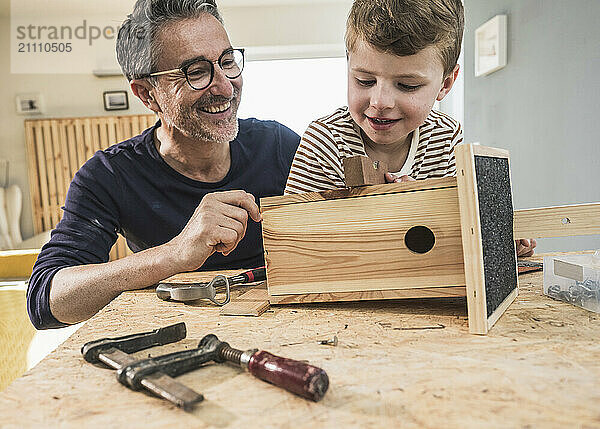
(184, 192)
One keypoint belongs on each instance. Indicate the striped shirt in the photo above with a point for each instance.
(318, 163)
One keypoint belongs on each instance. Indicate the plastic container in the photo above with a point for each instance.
(574, 279)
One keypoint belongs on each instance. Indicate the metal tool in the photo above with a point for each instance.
(208, 290)
(330, 342)
(297, 377)
(114, 353)
(527, 266)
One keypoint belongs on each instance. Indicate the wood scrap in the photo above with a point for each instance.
(253, 302)
(360, 170)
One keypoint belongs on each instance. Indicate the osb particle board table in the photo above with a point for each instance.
(409, 363)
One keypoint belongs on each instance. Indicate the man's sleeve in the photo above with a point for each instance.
(84, 235)
(288, 143)
(317, 164)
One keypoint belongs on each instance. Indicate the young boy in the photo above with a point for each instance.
(402, 57)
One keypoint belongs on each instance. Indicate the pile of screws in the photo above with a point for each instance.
(581, 293)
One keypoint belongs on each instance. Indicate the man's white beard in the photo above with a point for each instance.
(189, 121)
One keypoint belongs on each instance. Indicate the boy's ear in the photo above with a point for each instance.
(143, 90)
(447, 83)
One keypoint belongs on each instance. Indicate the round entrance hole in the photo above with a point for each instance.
(419, 239)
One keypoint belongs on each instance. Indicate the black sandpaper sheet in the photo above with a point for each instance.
(496, 216)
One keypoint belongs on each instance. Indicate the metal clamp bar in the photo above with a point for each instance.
(135, 342)
(172, 364)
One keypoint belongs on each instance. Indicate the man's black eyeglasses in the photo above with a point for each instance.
(199, 72)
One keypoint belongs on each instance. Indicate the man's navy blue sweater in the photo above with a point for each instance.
(129, 189)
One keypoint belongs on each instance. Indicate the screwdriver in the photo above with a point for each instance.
(250, 276)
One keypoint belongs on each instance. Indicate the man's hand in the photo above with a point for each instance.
(525, 247)
(390, 178)
(217, 225)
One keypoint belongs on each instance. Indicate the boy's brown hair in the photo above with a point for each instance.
(405, 27)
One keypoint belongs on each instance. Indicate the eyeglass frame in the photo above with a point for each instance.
(188, 63)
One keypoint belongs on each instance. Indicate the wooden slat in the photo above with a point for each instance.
(120, 130)
(560, 221)
(334, 194)
(58, 166)
(150, 120)
(143, 123)
(135, 125)
(471, 238)
(82, 141)
(254, 302)
(64, 155)
(432, 292)
(57, 148)
(93, 138)
(126, 127)
(112, 133)
(257, 300)
(103, 135)
(34, 176)
(53, 203)
(43, 176)
(490, 151)
(72, 145)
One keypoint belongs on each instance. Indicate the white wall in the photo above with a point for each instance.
(543, 106)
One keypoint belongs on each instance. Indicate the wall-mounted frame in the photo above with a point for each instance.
(490, 46)
(31, 103)
(115, 100)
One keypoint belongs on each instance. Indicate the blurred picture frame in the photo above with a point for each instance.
(30, 103)
(490, 46)
(115, 100)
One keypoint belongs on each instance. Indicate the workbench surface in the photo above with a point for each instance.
(409, 363)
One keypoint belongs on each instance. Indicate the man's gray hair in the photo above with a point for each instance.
(137, 48)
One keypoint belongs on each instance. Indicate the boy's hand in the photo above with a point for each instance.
(525, 247)
(390, 178)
